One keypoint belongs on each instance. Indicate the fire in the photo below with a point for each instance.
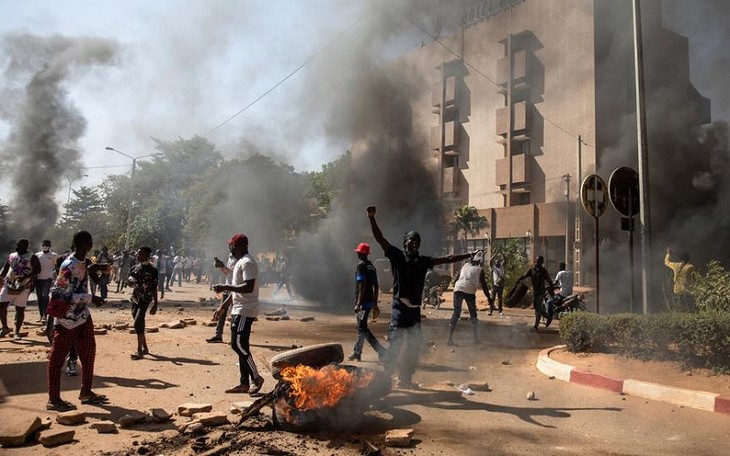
(312, 388)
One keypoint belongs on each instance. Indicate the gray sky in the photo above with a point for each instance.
(186, 66)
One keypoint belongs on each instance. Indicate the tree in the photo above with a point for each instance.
(86, 210)
(467, 220)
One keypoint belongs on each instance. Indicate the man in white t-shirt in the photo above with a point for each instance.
(44, 280)
(245, 290)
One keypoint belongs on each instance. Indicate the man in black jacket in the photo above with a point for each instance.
(539, 276)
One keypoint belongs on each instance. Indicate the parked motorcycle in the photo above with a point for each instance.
(555, 307)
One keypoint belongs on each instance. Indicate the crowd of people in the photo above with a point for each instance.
(67, 285)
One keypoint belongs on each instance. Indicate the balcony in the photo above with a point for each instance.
(435, 138)
(521, 170)
(521, 119)
(450, 179)
(449, 91)
(451, 135)
(520, 70)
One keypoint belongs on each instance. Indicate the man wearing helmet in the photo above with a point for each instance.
(409, 274)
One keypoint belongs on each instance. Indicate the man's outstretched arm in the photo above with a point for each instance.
(453, 258)
(377, 234)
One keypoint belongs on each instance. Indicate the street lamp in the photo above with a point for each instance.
(70, 181)
(129, 203)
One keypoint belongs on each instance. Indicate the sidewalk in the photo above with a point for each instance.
(703, 400)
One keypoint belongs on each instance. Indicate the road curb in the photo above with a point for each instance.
(701, 400)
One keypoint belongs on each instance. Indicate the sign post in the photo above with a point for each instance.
(594, 196)
(623, 189)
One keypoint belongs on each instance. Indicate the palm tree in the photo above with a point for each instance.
(467, 220)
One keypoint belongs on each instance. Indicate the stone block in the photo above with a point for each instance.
(15, 429)
(188, 409)
(71, 418)
(399, 437)
(100, 331)
(131, 419)
(121, 325)
(151, 330)
(54, 437)
(104, 427)
(190, 321)
(159, 415)
(306, 319)
(210, 418)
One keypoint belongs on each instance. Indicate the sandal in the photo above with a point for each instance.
(60, 406)
(94, 398)
(136, 356)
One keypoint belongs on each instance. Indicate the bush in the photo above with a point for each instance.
(711, 291)
(693, 339)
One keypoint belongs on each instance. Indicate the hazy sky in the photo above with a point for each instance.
(186, 66)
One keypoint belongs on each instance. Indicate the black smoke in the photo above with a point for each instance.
(42, 148)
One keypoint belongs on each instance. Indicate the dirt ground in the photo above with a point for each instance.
(184, 368)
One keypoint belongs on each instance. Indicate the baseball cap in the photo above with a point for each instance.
(238, 237)
(363, 247)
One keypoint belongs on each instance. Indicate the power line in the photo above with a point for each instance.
(476, 70)
(306, 62)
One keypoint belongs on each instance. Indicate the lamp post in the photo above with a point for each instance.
(129, 203)
(71, 181)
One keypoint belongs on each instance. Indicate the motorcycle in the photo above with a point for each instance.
(557, 306)
(432, 297)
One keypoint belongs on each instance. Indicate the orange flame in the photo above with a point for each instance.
(317, 388)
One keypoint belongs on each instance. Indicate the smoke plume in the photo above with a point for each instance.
(42, 147)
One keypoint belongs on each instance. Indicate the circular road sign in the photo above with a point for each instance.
(594, 195)
(623, 190)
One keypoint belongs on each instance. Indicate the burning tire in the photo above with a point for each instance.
(314, 356)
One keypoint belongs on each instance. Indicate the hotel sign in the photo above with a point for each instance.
(487, 9)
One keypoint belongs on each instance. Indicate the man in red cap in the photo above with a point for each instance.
(366, 300)
(245, 295)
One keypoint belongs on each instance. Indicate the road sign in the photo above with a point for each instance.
(623, 190)
(594, 195)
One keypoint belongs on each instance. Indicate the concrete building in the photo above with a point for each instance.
(498, 107)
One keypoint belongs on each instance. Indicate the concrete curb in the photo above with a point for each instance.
(702, 400)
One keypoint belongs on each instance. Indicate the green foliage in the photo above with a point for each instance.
(711, 290)
(467, 221)
(329, 184)
(694, 339)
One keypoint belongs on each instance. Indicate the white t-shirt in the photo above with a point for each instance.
(565, 279)
(48, 264)
(245, 304)
(468, 281)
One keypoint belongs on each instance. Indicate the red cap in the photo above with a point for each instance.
(238, 237)
(363, 247)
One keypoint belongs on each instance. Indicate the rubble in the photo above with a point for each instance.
(71, 418)
(190, 321)
(236, 407)
(177, 324)
(193, 428)
(190, 408)
(210, 418)
(53, 437)
(104, 427)
(121, 325)
(506, 362)
(131, 419)
(159, 415)
(530, 396)
(210, 324)
(305, 319)
(152, 330)
(97, 331)
(273, 318)
(14, 430)
(399, 437)
(481, 387)
(275, 313)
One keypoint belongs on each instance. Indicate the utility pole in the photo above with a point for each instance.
(643, 152)
(578, 240)
(567, 219)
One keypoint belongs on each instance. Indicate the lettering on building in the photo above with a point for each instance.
(487, 9)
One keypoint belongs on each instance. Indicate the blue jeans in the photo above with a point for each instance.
(404, 329)
(42, 290)
(364, 333)
(471, 304)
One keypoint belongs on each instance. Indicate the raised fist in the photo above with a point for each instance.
(371, 211)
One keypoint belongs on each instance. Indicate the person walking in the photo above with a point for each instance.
(105, 260)
(75, 327)
(564, 283)
(539, 276)
(125, 265)
(161, 266)
(498, 265)
(366, 301)
(143, 279)
(471, 277)
(17, 274)
(47, 259)
(409, 274)
(245, 296)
